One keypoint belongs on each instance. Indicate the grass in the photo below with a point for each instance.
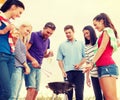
(57, 98)
(60, 98)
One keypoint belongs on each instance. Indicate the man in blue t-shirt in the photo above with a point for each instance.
(71, 57)
(37, 50)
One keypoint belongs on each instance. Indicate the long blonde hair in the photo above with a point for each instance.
(23, 25)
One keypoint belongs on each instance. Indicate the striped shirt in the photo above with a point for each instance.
(20, 53)
(89, 53)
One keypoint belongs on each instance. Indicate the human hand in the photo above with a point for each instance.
(6, 29)
(9, 27)
(15, 37)
(15, 32)
(64, 74)
(88, 82)
(50, 53)
(26, 70)
(87, 68)
(35, 64)
(118, 42)
(76, 66)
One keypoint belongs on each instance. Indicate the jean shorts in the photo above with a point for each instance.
(32, 80)
(110, 70)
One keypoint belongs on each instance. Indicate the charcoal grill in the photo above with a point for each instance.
(60, 88)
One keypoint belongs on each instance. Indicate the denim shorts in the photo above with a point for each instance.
(110, 70)
(32, 80)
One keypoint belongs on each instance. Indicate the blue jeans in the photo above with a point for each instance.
(16, 82)
(32, 80)
(77, 78)
(6, 69)
(96, 88)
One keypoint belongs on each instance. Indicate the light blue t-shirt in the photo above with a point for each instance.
(71, 53)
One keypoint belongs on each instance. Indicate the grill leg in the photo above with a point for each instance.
(54, 96)
(65, 97)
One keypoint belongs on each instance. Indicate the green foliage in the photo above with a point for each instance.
(49, 98)
(60, 98)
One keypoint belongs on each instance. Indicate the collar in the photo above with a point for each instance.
(41, 35)
(72, 41)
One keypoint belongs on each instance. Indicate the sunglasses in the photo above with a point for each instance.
(50, 25)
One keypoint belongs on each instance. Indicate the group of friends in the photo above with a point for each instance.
(22, 52)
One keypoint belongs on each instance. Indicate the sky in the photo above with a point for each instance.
(78, 13)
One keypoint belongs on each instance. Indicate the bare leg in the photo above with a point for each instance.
(35, 94)
(30, 94)
(108, 85)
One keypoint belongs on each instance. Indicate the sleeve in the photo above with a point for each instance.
(59, 53)
(86, 54)
(83, 49)
(19, 56)
(32, 38)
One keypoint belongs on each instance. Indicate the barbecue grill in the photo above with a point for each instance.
(60, 88)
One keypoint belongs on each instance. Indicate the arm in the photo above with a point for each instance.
(88, 81)
(32, 59)
(6, 29)
(48, 52)
(82, 62)
(77, 66)
(102, 47)
(20, 57)
(61, 65)
(29, 57)
(15, 34)
(26, 68)
(118, 42)
(60, 59)
(6, 22)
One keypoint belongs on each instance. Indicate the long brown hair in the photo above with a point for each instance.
(93, 37)
(107, 21)
(6, 6)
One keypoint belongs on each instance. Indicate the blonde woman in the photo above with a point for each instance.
(20, 60)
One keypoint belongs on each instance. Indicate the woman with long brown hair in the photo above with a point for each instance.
(11, 9)
(107, 44)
